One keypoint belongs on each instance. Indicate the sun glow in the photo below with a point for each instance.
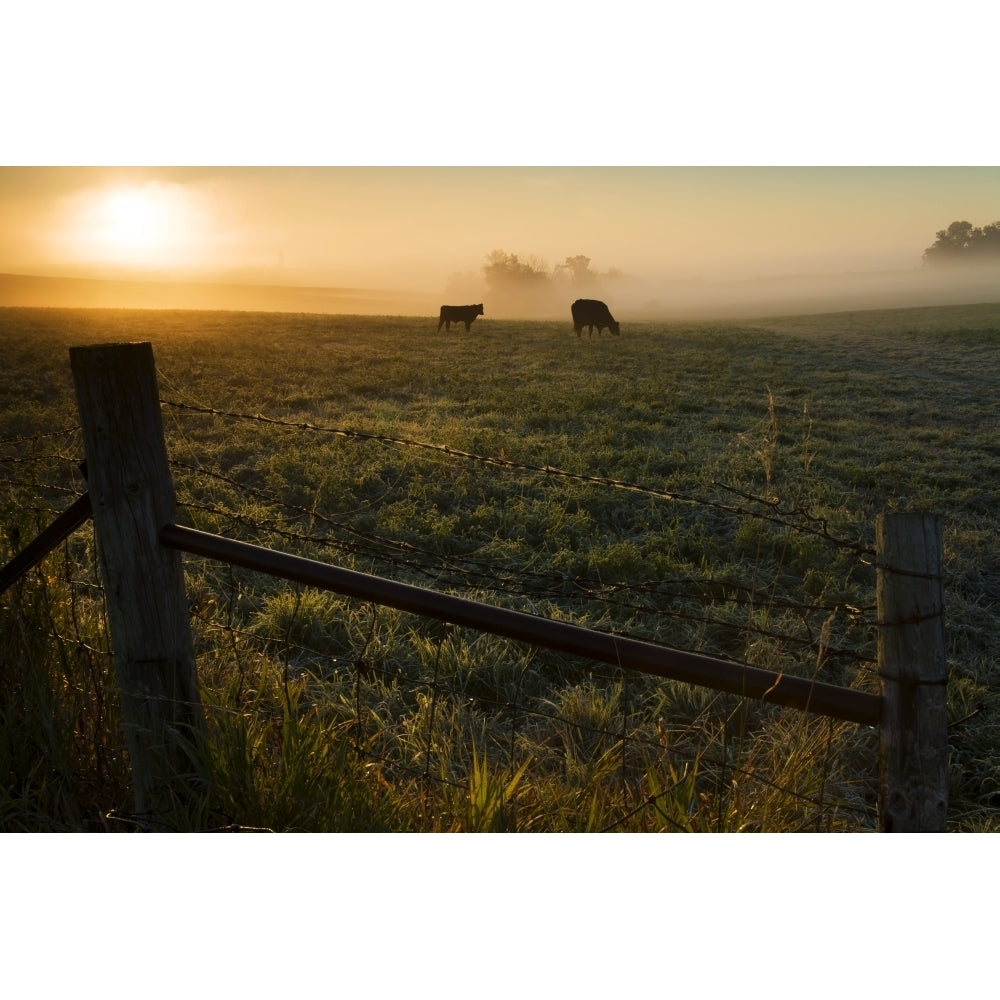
(133, 221)
(146, 226)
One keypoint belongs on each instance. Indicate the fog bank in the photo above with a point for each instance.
(629, 298)
(809, 293)
(633, 298)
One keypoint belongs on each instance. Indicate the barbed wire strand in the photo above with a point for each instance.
(815, 526)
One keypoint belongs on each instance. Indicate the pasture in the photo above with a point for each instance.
(709, 487)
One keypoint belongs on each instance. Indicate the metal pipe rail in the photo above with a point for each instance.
(634, 654)
(61, 528)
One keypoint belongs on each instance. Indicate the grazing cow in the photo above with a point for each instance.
(458, 314)
(590, 313)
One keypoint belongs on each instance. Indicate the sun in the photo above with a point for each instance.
(148, 226)
(132, 220)
(135, 226)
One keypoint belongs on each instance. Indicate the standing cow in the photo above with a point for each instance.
(458, 314)
(590, 313)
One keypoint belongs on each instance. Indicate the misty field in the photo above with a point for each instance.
(709, 487)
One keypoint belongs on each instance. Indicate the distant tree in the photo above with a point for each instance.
(963, 243)
(989, 240)
(504, 270)
(951, 243)
(525, 285)
(579, 270)
(584, 279)
(521, 286)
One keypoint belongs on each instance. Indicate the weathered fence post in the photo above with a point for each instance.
(132, 496)
(913, 746)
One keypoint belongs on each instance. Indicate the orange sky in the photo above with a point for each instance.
(416, 227)
(721, 84)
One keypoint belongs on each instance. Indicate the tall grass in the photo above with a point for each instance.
(329, 714)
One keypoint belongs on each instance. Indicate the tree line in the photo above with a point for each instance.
(963, 243)
(525, 282)
(505, 270)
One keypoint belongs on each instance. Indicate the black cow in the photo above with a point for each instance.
(590, 313)
(458, 314)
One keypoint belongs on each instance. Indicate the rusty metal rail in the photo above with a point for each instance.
(33, 553)
(662, 661)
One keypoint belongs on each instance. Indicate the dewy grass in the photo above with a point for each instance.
(328, 714)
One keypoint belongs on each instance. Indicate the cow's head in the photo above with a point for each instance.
(615, 327)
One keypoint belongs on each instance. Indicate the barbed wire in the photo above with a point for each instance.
(311, 514)
(20, 484)
(576, 589)
(553, 582)
(464, 569)
(37, 458)
(27, 438)
(365, 671)
(815, 525)
(380, 672)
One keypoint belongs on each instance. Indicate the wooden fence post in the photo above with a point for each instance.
(132, 496)
(913, 740)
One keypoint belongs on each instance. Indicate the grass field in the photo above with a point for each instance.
(629, 484)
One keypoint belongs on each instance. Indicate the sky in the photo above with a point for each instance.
(678, 148)
(413, 227)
